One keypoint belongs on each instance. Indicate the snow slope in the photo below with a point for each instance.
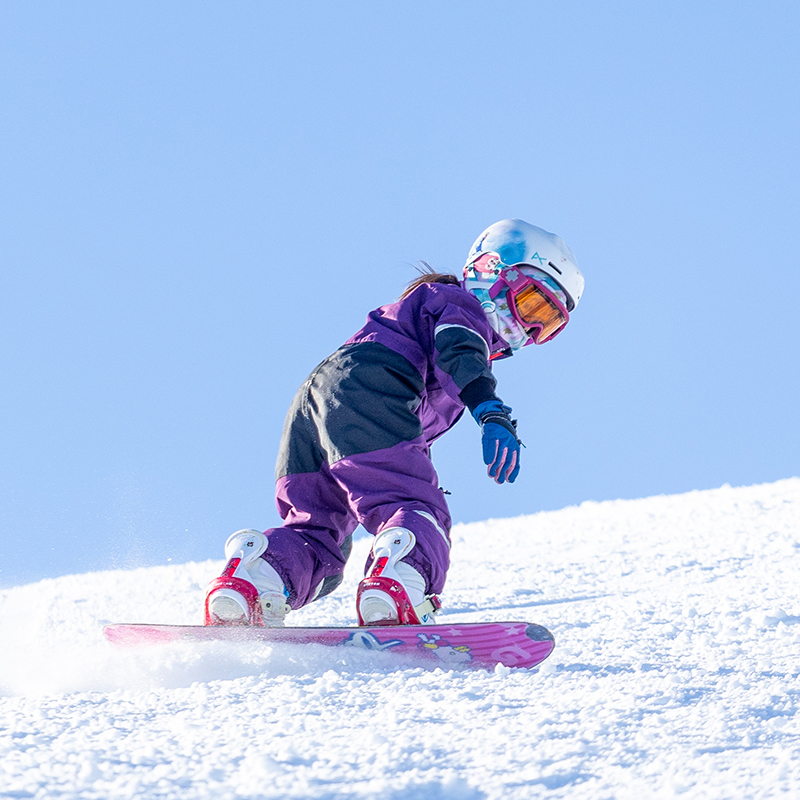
(677, 622)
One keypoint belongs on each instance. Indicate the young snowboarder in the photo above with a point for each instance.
(355, 445)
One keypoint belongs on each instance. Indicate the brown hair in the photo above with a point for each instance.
(427, 274)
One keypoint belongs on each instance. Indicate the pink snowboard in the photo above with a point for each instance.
(482, 644)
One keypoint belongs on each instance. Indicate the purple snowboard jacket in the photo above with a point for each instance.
(409, 372)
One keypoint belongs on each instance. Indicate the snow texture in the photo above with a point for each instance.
(677, 621)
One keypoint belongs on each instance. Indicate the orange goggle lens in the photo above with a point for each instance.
(537, 310)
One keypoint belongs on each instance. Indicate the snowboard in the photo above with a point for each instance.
(479, 644)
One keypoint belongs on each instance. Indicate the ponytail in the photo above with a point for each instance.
(428, 275)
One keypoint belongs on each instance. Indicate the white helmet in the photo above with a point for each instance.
(518, 242)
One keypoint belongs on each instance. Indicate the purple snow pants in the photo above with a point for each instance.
(391, 487)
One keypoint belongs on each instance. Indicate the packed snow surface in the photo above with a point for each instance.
(677, 622)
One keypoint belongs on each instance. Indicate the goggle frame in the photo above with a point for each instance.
(515, 281)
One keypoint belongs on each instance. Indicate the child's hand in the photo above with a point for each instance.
(500, 443)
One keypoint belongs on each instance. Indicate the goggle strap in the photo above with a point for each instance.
(515, 279)
(496, 288)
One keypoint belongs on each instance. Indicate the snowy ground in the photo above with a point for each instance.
(677, 621)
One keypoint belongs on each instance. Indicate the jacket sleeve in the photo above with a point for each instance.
(461, 355)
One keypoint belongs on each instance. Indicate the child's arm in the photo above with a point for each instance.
(462, 354)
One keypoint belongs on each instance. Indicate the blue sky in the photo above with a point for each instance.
(201, 201)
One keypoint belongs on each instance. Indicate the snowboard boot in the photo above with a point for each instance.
(393, 592)
(249, 591)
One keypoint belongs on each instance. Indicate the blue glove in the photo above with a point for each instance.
(500, 443)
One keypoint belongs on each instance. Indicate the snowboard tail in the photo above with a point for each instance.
(481, 644)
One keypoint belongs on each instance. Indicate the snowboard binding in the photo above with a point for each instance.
(384, 597)
(232, 599)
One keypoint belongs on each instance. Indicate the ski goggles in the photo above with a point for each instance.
(535, 307)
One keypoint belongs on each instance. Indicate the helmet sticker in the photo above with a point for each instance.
(486, 264)
(538, 258)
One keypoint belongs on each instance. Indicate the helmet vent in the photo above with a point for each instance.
(551, 264)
